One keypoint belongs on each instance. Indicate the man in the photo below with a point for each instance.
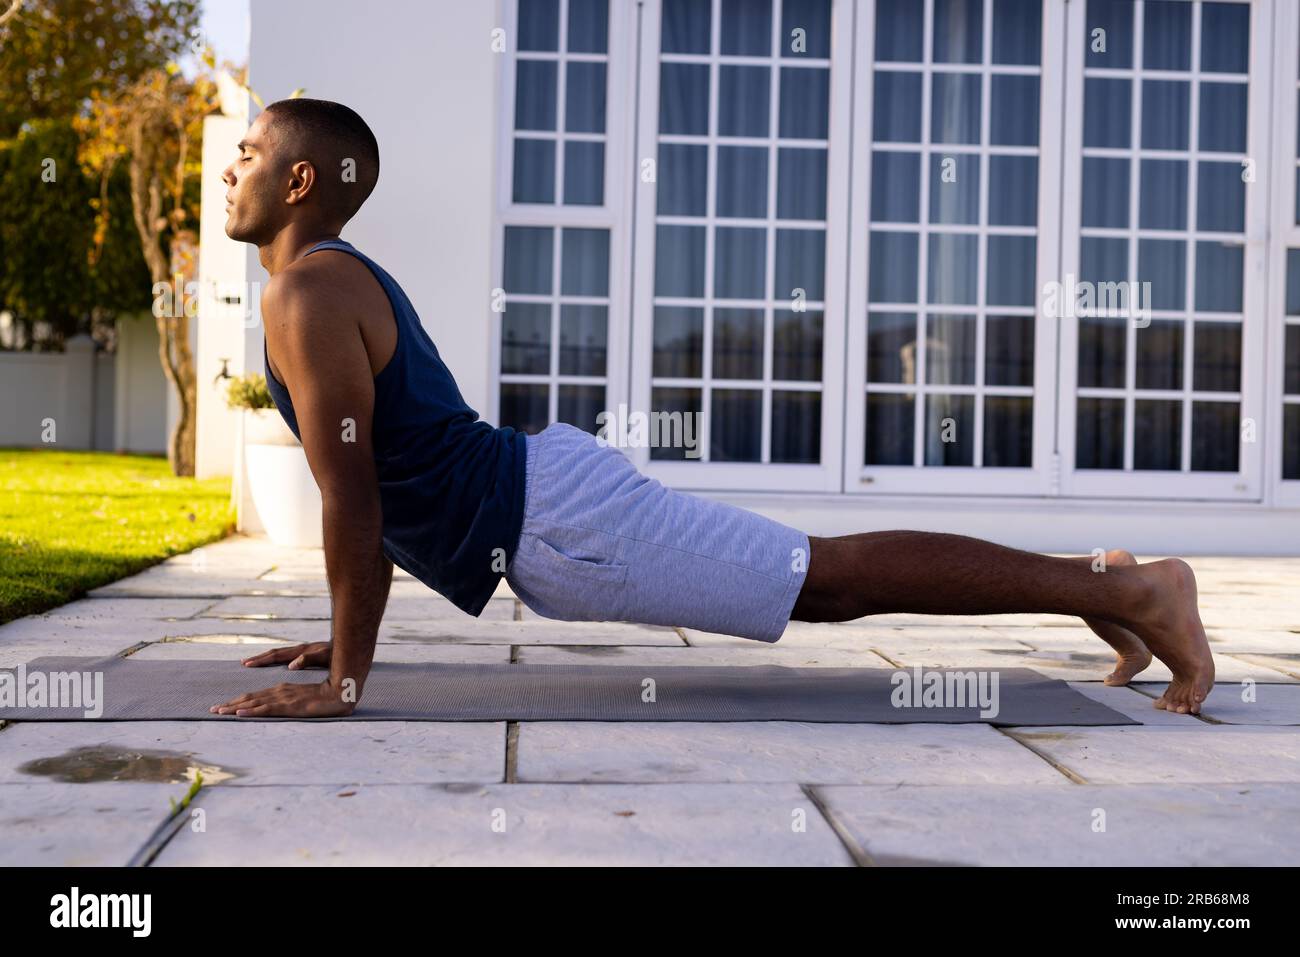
(409, 474)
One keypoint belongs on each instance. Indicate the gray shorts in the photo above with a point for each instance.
(602, 542)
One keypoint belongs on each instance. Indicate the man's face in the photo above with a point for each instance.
(254, 208)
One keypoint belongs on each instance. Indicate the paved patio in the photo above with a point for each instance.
(1219, 789)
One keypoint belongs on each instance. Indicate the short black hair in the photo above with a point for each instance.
(329, 134)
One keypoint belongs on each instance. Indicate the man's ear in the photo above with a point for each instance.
(302, 179)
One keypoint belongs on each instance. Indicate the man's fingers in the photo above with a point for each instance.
(275, 656)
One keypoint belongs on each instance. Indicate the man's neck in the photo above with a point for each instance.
(289, 244)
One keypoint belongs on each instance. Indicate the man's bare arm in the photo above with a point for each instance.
(322, 360)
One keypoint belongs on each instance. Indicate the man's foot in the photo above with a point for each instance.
(1132, 656)
(1167, 621)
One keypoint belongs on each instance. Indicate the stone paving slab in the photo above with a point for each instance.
(687, 656)
(127, 609)
(535, 825)
(234, 753)
(1133, 703)
(431, 609)
(1144, 825)
(1240, 641)
(773, 751)
(1287, 664)
(191, 584)
(538, 631)
(81, 825)
(406, 654)
(1274, 704)
(1220, 754)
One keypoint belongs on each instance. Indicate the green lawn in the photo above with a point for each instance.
(72, 521)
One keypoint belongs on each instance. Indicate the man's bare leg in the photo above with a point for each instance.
(930, 573)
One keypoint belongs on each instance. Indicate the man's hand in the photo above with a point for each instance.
(314, 655)
(289, 701)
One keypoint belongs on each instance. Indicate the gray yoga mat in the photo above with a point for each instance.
(183, 690)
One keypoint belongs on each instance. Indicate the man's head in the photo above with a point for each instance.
(312, 161)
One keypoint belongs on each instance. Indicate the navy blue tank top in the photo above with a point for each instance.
(451, 486)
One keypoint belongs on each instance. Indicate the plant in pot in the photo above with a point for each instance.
(284, 492)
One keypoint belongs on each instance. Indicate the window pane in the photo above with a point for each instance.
(739, 264)
(1291, 442)
(898, 30)
(896, 107)
(584, 97)
(1014, 117)
(1008, 431)
(583, 331)
(678, 342)
(746, 27)
(685, 26)
(585, 270)
(891, 276)
(955, 108)
(737, 343)
(1013, 190)
(584, 173)
(1291, 374)
(742, 181)
(736, 425)
(1103, 260)
(1218, 276)
(526, 338)
(801, 184)
(954, 188)
(588, 26)
(889, 429)
(743, 93)
(1099, 434)
(683, 98)
(1012, 262)
(895, 186)
(1225, 37)
(528, 260)
(1167, 35)
(1216, 357)
(1107, 112)
(805, 103)
(1165, 111)
(1220, 197)
(1105, 192)
(796, 427)
(679, 261)
(1163, 263)
(1157, 435)
(1009, 350)
(950, 350)
(813, 19)
(949, 430)
(1159, 355)
(1215, 436)
(535, 85)
(797, 345)
(1162, 199)
(1293, 282)
(891, 347)
(1113, 45)
(523, 406)
(682, 178)
(800, 264)
(1017, 31)
(1102, 350)
(682, 417)
(958, 31)
(539, 24)
(579, 405)
(951, 272)
(1223, 118)
(534, 171)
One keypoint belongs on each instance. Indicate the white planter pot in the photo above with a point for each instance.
(284, 492)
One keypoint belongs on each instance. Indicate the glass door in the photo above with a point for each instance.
(742, 159)
(950, 362)
(1163, 309)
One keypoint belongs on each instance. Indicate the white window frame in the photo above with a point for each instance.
(747, 476)
(1246, 484)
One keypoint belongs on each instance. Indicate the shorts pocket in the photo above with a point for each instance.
(610, 573)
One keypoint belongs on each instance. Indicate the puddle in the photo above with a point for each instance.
(230, 640)
(106, 762)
